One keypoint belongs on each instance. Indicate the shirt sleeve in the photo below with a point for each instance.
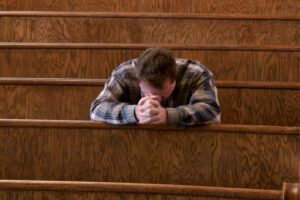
(109, 107)
(203, 107)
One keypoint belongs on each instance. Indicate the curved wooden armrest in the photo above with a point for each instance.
(291, 191)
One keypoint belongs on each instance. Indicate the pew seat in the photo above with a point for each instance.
(260, 157)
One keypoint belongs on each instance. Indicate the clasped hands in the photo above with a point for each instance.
(149, 111)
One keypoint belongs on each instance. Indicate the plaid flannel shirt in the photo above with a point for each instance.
(193, 101)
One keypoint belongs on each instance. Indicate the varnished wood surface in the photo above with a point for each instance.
(251, 103)
(140, 30)
(146, 15)
(72, 81)
(260, 106)
(143, 155)
(224, 128)
(101, 82)
(161, 189)
(291, 191)
(263, 7)
(47, 101)
(143, 46)
(35, 60)
(40, 195)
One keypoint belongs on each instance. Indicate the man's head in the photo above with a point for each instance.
(156, 69)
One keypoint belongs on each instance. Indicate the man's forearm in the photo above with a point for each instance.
(188, 115)
(113, 113)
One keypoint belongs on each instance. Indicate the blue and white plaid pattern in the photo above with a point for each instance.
(194, 100)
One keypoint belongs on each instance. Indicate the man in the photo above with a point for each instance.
(156, 88)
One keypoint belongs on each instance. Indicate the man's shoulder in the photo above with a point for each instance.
(191, 66)
(126, 69)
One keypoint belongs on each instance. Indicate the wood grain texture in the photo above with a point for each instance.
(265, 7)
(139, 30)
(291, 191)
(98, 63)
(143, 46)
(174, 156)
(141, 188)
(225, 128)
(260, 106)
(161, 15)
(47, 102)
(59, 101)
(38, 195)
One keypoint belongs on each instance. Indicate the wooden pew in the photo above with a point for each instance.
(291, 191)
(269, 32)
(94, 60)
(260, 157)
(74, 190)
(152, 28)
(241, 102)
(257, 7)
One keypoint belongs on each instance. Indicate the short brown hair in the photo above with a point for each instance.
(155, 65)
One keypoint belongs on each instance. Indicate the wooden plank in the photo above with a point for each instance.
(59, 95)
(143, 46)
(35, 60)
(95, 151)
(263, 7)
(250, 102)
(259, 106)
(130, 190)
(152, 30)
(232, 128)
(145, 15)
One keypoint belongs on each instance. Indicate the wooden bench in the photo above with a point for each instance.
(229, 7)
(75, 190)
(237, 40)
(261, 157)
(154, 28)
(94, 60)
(241, 102)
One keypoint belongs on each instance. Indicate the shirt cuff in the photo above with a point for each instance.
(173, 116)
(129, 113)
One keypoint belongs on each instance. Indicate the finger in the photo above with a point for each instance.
(159, 118)
(145, 121)
(148, 105)
(143, 100)
(155, 120)
(149, 112)
(156, 98)
(151, 103)
(147, 117)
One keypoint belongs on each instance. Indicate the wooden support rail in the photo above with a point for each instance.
(260, 157)
(156, 15)
(113, 190)
(143, 46)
